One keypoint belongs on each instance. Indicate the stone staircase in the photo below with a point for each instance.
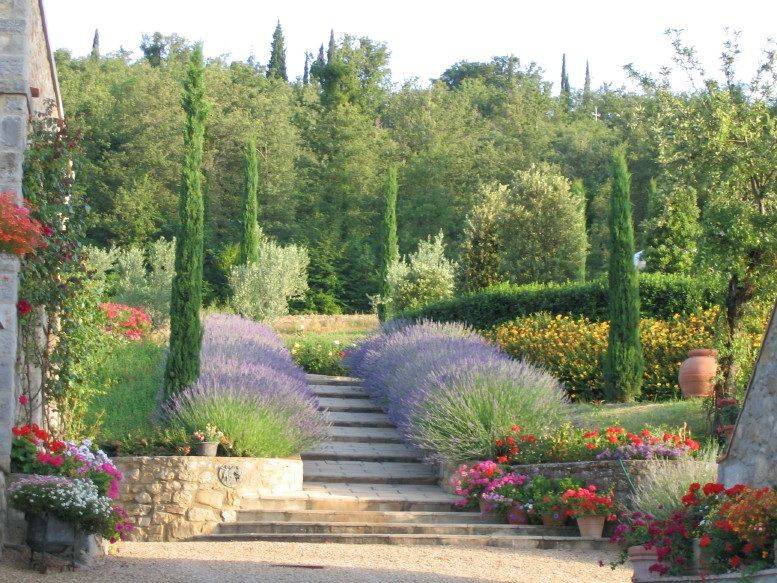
(366, 486)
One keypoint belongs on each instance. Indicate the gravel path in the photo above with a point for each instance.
(198, 562)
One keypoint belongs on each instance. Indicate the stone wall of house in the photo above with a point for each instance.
(176, 497)
(751, 457)
(603, 474)
(25, 62)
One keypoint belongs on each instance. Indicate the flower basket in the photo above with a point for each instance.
(207, 448)
(641, 559)
(591, 526)
(517, 514)
(554, 518)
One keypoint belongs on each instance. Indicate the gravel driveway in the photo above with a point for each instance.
(262, 561)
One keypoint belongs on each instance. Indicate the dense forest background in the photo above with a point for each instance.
(325, 142)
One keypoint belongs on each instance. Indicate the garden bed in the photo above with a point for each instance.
(604, 474)
(765, 576)
(177, 497)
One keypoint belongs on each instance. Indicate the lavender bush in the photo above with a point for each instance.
(453, 393)
(251, 389)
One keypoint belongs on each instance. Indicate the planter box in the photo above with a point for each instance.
(177, 497)
(767, 576)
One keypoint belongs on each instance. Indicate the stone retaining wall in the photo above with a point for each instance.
(175, 498)
(603, 474)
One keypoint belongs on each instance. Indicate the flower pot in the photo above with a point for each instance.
(207, 448)
(517, 514)
(697, 373)
(46, 533)
(554, 518)
(590, 526)
(488, 511)
(641, 559)
(701, 558)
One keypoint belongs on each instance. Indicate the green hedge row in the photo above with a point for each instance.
(661, 296)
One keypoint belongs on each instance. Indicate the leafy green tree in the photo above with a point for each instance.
(483, 245)
(721, 140)
(623, 363)
(276, 68)
(598, 232)
(249, 242)
(672, 229)
(389, 247)
(542, 228)
(183, 360)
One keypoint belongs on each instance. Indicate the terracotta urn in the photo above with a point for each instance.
(591, 526)
(517, 514)
(641, 559)
(697, 373)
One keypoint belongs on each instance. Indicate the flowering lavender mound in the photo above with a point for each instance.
(251, 389)
(452, 392)
(646, 451)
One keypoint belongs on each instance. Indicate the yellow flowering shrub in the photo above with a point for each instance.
(572, 348)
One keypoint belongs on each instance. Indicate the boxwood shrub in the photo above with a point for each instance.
(661, 297)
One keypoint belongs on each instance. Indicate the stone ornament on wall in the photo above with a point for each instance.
(229, 475)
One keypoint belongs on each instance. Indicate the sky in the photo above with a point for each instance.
(426, 37)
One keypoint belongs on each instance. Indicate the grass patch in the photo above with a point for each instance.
(634, 416)
(323, 324)
(135, 373)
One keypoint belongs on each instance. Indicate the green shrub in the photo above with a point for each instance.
(319, 354)
(661, 297)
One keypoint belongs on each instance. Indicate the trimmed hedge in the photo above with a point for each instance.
(661, 297)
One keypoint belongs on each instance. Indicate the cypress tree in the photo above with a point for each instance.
(565, 93)
(623, 363)
(330, 51)
(320, 59)
(183, 360)
(249, 242)
(306, 70)
(389, 251)
(277, 66)
(587, 84)
(96, 45)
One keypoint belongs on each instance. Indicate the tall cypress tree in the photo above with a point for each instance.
(566, 90)
(623, 365)
(183, 359)
(96, 44)
(587, 84)
(277, 66)
(330, 51)
(389, 246)
(306, 70)
(249, 242)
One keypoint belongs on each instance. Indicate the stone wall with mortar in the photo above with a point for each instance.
(751, 457)
(25, 61)
(175, 497)
(603, 474)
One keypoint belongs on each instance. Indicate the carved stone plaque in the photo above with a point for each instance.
(229, 475)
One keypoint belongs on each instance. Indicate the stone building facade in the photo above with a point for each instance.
(28, 84)
(751, 456)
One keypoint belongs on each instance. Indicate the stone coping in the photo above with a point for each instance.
(765, 576)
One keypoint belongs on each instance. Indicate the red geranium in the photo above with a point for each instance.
(20, 234)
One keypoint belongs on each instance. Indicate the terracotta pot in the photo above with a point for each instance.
(641, 559)
(517, 515)
(207, 448)
(554, 518)
(590, 526)
(697, 373)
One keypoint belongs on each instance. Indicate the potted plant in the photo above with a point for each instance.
(206, 443)
(470, 482)
(507, 495)
(589, 508)
(61, 513)
(545, 499)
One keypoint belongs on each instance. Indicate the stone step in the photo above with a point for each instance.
(522, 542)
(345, 419)
(348, 405)
(358, 472)
(380, 452)
(284, 527)
(317, 379)
(369, 516)
(364, 435)
(342, 391)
